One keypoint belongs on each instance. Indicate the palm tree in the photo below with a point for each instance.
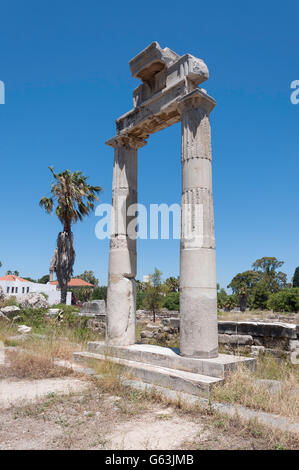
(74, 198)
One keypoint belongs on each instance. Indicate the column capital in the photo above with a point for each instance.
(196, 99)
(128, 141)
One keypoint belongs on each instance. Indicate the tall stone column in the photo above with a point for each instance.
(198, 292)
(121, 294)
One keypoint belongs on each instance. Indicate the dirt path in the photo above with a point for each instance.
(14, 392)
(87, 417)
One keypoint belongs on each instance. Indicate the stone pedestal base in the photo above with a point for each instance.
(165, 367)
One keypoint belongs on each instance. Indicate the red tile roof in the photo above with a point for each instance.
(75, 282)
(10, 277)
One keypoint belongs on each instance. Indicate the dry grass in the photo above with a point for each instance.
(7, 329)
(242, 387)
(31, 366)
(34, 355)
(248, 315)
(256, 435)
(110, 375)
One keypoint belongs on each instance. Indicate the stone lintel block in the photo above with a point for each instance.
(186, 67)
(161, 111)
(151, 60)
(158, 112)
(275, 329)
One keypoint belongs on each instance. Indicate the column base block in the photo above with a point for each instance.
(165, 367)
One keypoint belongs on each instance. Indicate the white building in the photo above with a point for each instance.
(18, 287)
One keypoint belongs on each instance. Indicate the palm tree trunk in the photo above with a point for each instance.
(65, 261)
(63, 294)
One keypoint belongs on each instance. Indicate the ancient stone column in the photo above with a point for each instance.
(198, 292)
(121, 294)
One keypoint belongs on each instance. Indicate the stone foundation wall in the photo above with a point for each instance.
(279, 339)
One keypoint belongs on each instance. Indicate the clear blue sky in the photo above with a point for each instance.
(65, 66)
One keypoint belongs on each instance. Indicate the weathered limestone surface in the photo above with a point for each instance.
(95, 307)
(166, 77)
(121, 294)
(275, 329)
(171, 358)
(198, 293)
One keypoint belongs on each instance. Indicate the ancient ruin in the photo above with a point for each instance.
(168, 94)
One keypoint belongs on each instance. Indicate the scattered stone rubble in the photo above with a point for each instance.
(95, 311)
(2, 295)
(10, 311)
(34, 300)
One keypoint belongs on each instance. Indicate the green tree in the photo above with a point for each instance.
(284, 301)
(222, 297)
(173, 284)
(44, 279)
(260, 295)
(13, 273)
(74, 199)
(296, 277)
(29, 279)
(153, 298)
(172, 301)
(99, 293)
(267, 268)
(89, 276)
(140, 295)
(242, 285)
(230, 302)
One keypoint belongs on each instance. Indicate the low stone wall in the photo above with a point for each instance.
(279, 339)
(147, 315)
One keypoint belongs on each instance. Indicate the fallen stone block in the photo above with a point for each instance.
(241, 340)
(24, 329)
(10, 311)
(275, 329)
(93, 308)
(3, 316)
(274, 386)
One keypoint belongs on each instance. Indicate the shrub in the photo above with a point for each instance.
(140, 299)
(8, 301)
(99, 293)
(286, 300)
(33, 317)
(260, 296)
(172, 301)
